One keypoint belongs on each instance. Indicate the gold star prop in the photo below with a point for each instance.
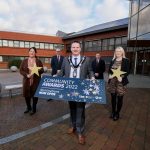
(35, 70)
(117, 72)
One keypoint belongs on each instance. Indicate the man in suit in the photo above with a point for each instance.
(98, 66)
(56, 63)
(77, 66)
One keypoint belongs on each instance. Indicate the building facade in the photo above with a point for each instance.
(139, 36)
(102, 38)
(14, 45)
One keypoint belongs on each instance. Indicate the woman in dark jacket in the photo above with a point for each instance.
(31, 81)
(117, 86)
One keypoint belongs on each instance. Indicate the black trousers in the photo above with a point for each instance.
(117, 102)
(28, 103)
(77, 116)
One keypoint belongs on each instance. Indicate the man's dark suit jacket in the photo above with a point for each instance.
(55, 64)
(98, 68)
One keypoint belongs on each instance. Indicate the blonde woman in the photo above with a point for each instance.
(117, 86)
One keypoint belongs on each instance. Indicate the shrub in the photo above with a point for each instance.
(14, 62)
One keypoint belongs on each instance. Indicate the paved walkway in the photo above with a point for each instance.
(46, 130)
(132, 131)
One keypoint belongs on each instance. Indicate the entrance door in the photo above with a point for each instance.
(143, 62)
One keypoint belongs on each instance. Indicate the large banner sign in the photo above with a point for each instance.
(72, 89)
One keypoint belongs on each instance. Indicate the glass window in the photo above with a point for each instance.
(95, 43)
(99, 43)
(5, 43)
(32, 44)
(90, 44)
(95, 46)
(1, 59)
(86, 44)
(144, 37)
(42, 58)
(135, 5)
(46, 46)
(105, 44)
(56, 46)
(0, 42)
(27, 45)
(16, 44)
(11, 43)
(144, 3)
(41, 45)
(112, 41)
(144, 22)
(21, 44)
(51, 46)
(63, 47)
(118, 41)
(68, 47)
(37, 45)
(6, 58)
(124, 40)
(47, 60)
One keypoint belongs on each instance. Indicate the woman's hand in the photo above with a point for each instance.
(29, 75)
(110, 76)
(120, 79)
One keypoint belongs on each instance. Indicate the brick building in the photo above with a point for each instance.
(101, 38)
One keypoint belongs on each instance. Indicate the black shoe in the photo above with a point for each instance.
(116, 117)
(49, 100)
(26, 111)
(112, 115)
(32, 113)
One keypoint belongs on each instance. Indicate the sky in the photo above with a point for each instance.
(49, 16)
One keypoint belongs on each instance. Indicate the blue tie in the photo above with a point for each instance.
(75, 61)
(75, 69)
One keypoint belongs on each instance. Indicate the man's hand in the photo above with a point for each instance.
(55, 75)
(92, 78)
(58, 71)
(96, 74)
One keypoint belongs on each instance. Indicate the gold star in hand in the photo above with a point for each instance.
(35, 69)
(117, 72)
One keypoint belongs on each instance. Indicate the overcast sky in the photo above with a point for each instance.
(49, 16)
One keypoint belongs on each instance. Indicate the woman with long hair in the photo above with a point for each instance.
(117, 86)
(30, 81)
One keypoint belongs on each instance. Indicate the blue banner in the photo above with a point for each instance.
(72, 89)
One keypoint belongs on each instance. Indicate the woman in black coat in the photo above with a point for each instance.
(117, 86)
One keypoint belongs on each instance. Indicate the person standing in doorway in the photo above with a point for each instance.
(56, 63)
(98, 66)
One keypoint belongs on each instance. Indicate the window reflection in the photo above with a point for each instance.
(133, 29)
(134, 5)
(5, 43)
(22, 44)
(144, 3)
(10, 43)
(144, 21)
